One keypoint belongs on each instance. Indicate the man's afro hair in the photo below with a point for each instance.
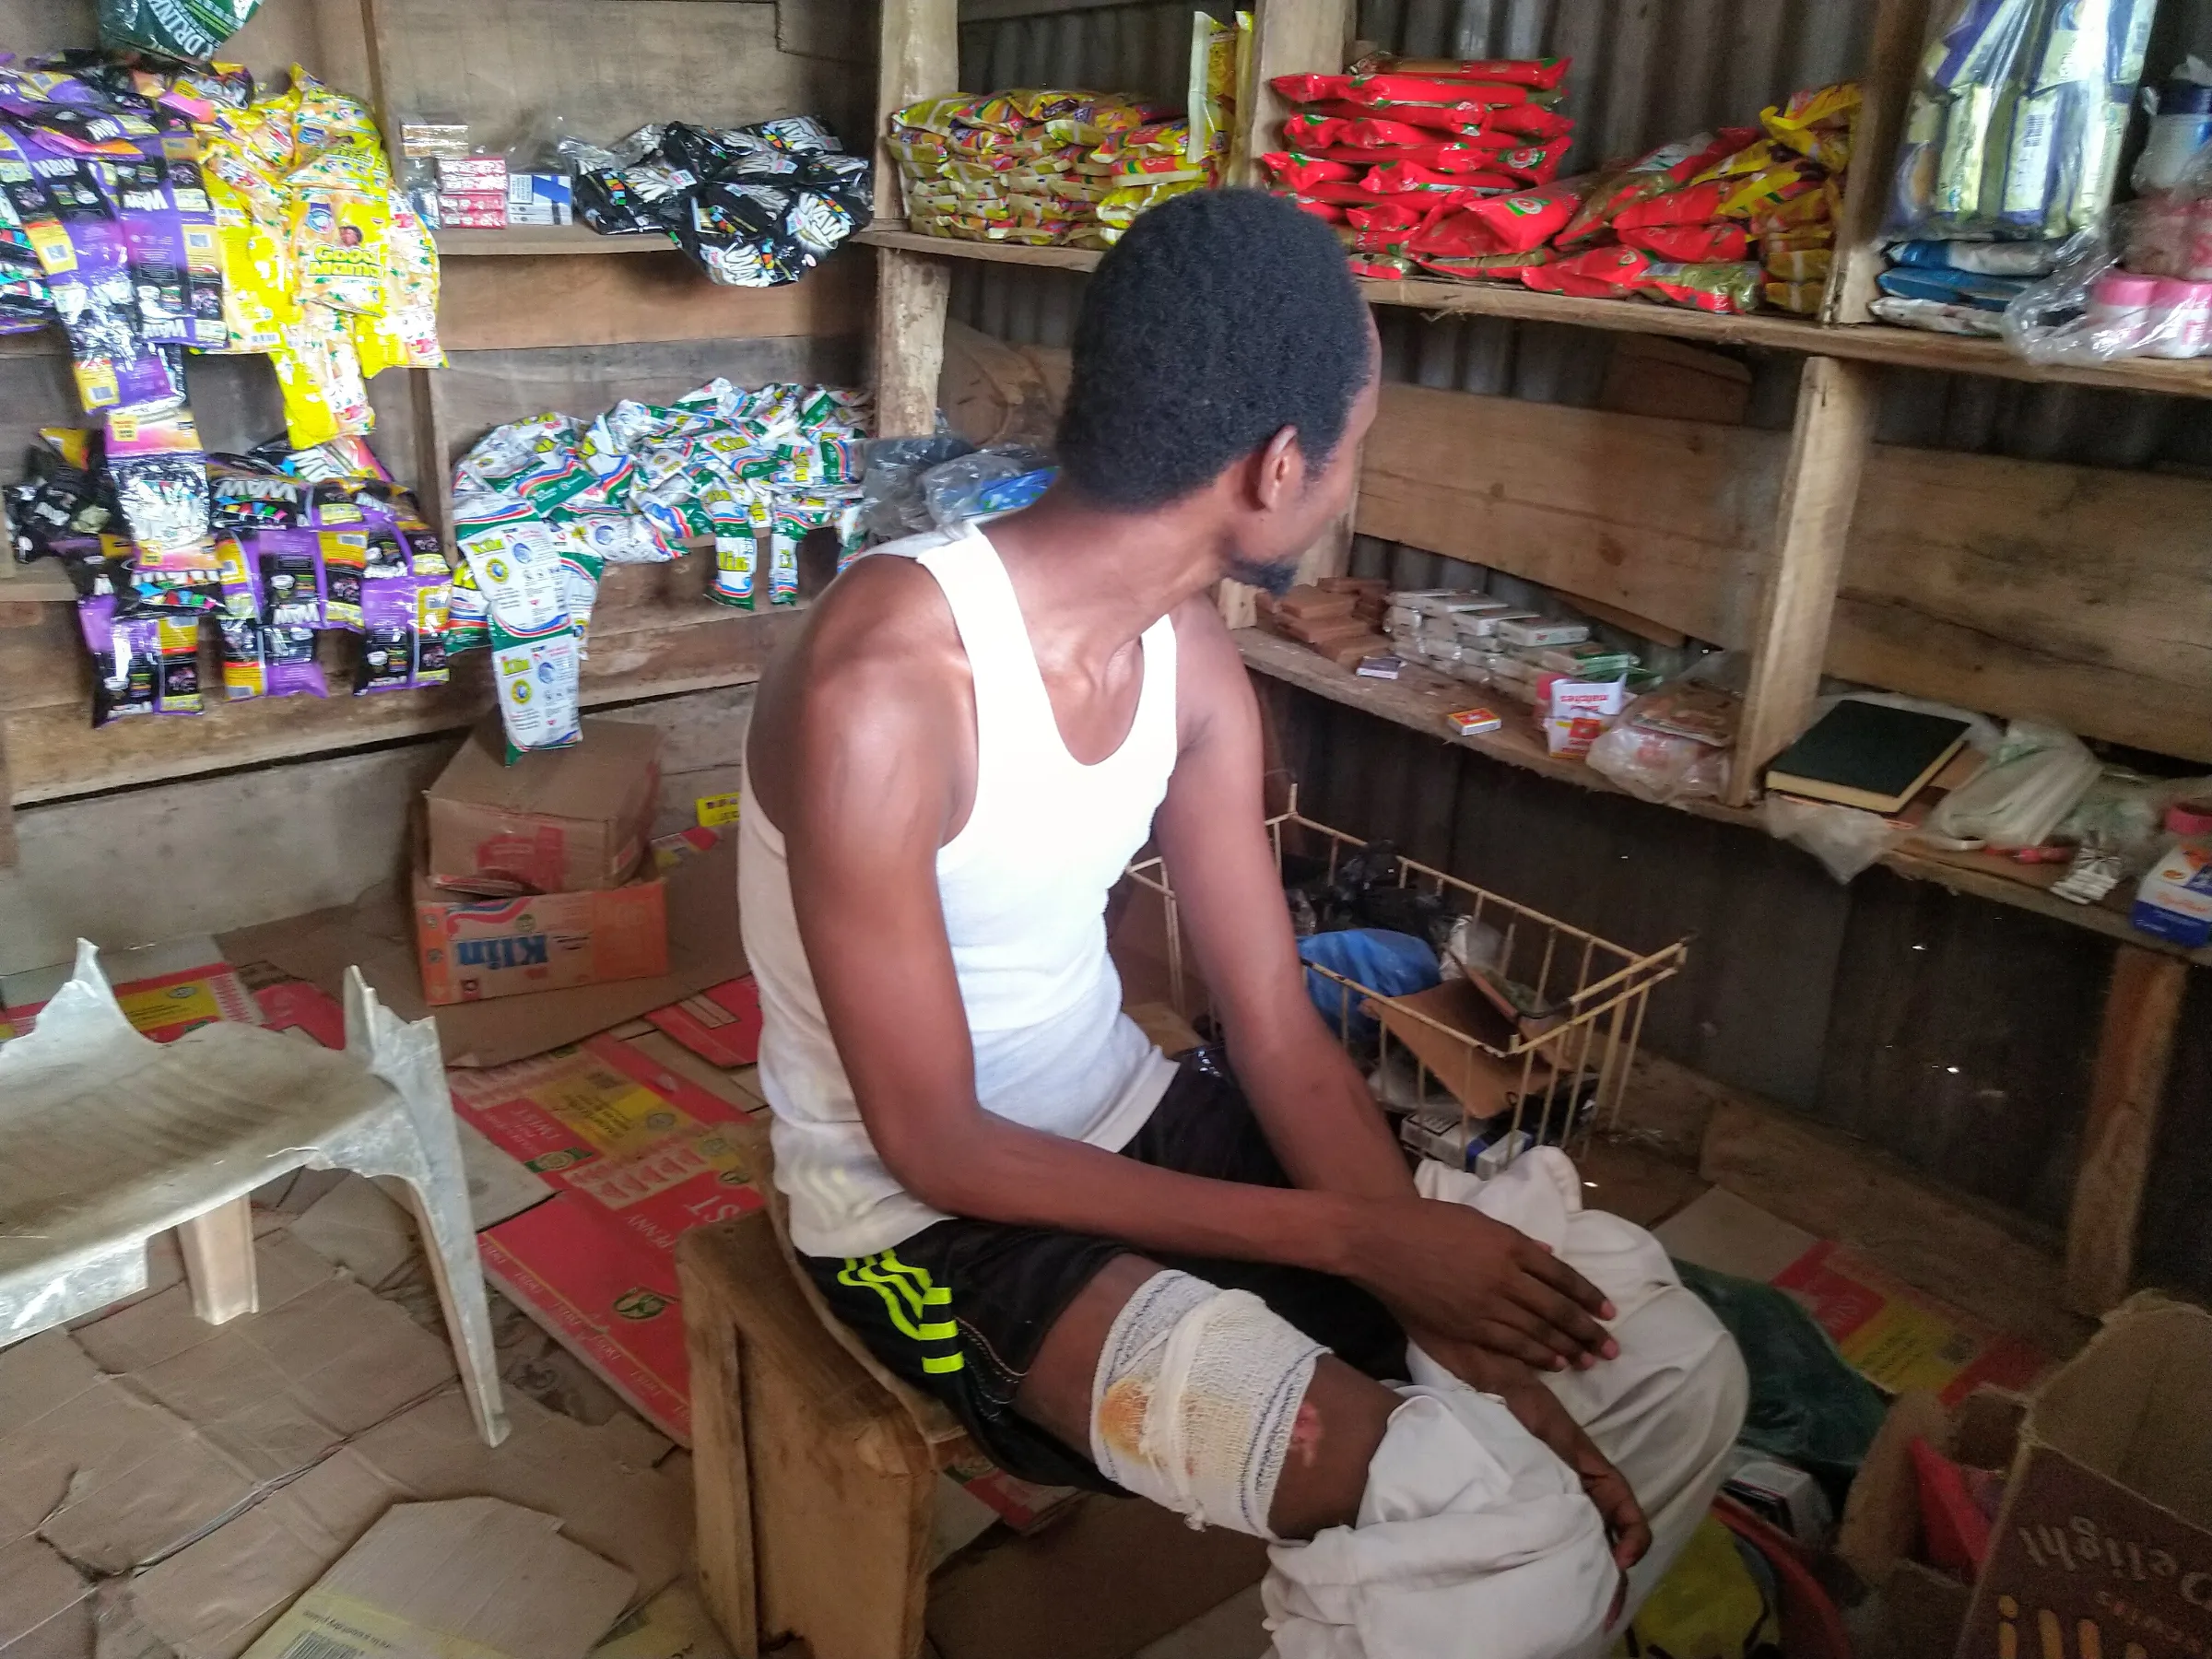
(1222, 317)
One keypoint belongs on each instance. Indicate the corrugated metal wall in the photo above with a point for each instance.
(1955, 1033)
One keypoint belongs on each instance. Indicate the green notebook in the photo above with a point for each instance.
(1863, 753)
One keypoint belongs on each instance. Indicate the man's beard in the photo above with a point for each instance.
(1275, 579)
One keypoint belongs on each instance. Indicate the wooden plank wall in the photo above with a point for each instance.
(2021, 587)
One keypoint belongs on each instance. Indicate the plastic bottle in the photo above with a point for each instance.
(2182, 127)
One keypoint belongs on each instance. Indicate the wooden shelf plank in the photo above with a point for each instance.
(1420, 698)
(1871, 342)
(540, 240)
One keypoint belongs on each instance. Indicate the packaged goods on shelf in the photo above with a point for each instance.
(542, 506)
(1053, 166)
(1447, 168)
(2013, 135)
(753, 207)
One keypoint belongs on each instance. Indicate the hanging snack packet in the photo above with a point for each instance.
(244, 672)
(173, 29)
(345, 556)
(580, 574)
(177, 690)
(469, 618)
(160, 482)
(516, 560)
(125, 660)
(743, 527)
(403, 637)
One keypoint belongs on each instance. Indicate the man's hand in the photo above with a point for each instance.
(1447, 1268)
(1538, 1411)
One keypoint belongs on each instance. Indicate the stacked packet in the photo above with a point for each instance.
(1397, 145)
(543, 506)
(1047, 167)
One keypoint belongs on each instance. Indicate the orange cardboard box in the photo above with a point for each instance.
(470, 949)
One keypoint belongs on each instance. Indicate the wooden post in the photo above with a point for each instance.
(10, 850)
(722, 1484)
(1289, 37)
(218, 1262)
(921, 55)
(2132, 1053)
(1899, 26)
(1797, 594)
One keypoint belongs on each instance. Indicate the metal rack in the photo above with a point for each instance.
(1558, 1079)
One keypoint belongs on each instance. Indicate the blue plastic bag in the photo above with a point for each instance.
(1390, 964)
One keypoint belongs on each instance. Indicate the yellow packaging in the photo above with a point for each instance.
(1212, 91)
(1803, 297)
(1800, 264)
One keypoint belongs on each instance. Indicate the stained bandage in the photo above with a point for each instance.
(1195, 1400)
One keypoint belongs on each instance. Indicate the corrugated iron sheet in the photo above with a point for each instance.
(1645, 71)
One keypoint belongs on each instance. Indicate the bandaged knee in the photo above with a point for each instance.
(1195, 1399)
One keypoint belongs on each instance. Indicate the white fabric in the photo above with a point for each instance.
(1023, 887)
(1469, 1525)
(1195, 1400)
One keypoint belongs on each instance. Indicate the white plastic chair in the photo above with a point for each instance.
(107, 1138)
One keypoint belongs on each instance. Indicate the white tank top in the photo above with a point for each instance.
(1023, 887)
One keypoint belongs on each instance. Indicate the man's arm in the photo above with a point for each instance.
(871, 789)
(1308, 1097)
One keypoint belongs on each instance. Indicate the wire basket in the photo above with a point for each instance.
(1534, 1046)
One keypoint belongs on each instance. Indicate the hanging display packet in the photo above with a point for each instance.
(177, 29)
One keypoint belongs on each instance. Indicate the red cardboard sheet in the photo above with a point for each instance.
(722, 1023)
(638, 1157)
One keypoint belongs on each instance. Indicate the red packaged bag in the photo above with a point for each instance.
(1460, 123)
(1398, 219)
(1621, 268)
(1310, 88)
(1438, 158)
(1727, 286)
(1343, 192)
(1543, 75)
(1528, 218)
(1300, 171)
(1381, 91)
(1530, 123)
(1552, 279)
(1533, 163)
(1688, 244)
(1396, 178)
(1374, 133)
(1388, 266)
(1312, 132)
(1457, 234)
(1664, 169)
(1692, 204)
(1330, 211)
(1493, 268)
(1379, 242)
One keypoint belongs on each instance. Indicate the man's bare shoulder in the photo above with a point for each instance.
(882, 627)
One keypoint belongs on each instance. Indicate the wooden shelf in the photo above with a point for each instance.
(894, 234)
(1419, 699)
(536, 241)
(1872, 342)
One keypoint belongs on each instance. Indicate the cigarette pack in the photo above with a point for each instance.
(1471, 722)
(1542, 633)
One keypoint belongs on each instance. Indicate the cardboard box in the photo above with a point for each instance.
(473, 1575)
(570, 821)
(2104, 1543)
(472, 949)
(377, 933)
(164, 990)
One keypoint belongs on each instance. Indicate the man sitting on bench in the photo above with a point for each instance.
(1189, 1281)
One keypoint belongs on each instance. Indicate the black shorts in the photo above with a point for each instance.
(960, 1309)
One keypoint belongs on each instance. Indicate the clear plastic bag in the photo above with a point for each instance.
(892, 504)
(2090, 310)
(2037, 776)
(1658, 766)
(1843, 839)
(2017, 121)
(953, 490)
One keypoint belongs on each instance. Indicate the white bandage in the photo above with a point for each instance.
(1195, 1400)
